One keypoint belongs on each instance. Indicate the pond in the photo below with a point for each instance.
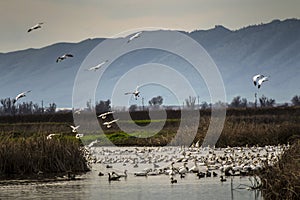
(92, 186)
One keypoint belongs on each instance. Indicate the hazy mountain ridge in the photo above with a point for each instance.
(272, 49)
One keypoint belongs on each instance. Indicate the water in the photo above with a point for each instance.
(155, 187)
(92, 186)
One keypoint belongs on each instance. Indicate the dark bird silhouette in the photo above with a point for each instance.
(37, 26)
(63, 57)
(173, 180)
(222, 179)
(113, 178)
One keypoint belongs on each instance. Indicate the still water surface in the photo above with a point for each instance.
(92, 186)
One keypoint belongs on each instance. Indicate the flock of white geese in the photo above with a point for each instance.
(118, 162)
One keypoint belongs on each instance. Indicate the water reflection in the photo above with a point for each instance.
(92, 186)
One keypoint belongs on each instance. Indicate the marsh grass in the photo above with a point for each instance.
(36, 156)
(282, 181)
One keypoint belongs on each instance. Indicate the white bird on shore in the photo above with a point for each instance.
(260, 81)
(37, 26)
(63, 57)
(21, 95)
(108, 124)
(95, 68)
(103, 115)
(256, 77)
(134, 36)
(136, 93)
(74, 128)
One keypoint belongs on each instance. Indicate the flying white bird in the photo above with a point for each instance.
(78, 135)
(134, 36)
(39, 25)
(65, 56)
(74, 128)
(103, 115)
(49, 137)
(260, 81)
(256, 77)
(97, 66)
(78, 111)
(108, 124)
(21, 95)
(136, 93)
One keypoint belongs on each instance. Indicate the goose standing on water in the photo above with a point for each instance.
(173, 180)
(122, 175)
(195, 168)
(113, 178)
(222, 179)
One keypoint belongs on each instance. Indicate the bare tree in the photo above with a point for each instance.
(103, 106)
(266, 102)
(191, 102)
(133, 108)
(204, 105)
(296, 100)
(156, 101)
(238, 102)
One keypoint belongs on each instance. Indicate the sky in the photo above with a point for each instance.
(77, 20)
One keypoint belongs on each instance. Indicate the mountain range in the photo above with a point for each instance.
(272, 49)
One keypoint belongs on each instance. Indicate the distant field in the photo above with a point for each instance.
(242, 126)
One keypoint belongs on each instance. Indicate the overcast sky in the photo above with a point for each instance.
(77, 20)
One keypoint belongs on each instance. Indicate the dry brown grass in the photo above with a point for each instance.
(29, 156)
(282, 181)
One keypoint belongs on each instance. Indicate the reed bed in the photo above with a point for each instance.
(37, 156)
(282, 181)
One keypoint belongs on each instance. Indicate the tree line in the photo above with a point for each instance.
(7, 106)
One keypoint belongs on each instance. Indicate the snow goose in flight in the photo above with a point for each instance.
(260, 81)
(95, 68)
(134, 36)
(256, 77)
(78, 136)
(21, 95)
(63, 57)
(49, 137)
(103, 115)
(74, 128)
(108, 124)
(136, 93)
(37, 26)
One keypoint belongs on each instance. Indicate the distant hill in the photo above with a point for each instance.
(272, 49)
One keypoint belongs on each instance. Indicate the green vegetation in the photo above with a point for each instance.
(26, 151)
